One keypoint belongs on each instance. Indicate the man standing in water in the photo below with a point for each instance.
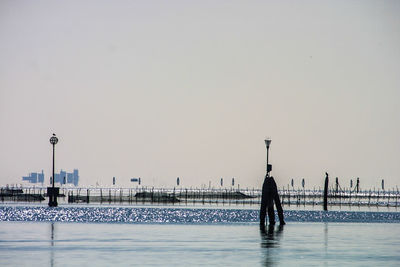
(268, 197)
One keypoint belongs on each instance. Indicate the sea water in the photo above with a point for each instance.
(168, 236)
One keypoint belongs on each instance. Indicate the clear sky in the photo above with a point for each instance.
(161, 89)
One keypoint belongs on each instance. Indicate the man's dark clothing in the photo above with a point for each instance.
(269, 196)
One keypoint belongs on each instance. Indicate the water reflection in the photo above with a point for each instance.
(270, 239)
(326, 243)
(52, 245)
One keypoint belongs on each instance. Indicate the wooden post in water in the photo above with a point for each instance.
(369, 198)
(350, 196)
(173, 197)
(377, 200)
(326, 192)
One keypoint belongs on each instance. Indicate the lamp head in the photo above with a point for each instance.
(53, 140)
(267, 142)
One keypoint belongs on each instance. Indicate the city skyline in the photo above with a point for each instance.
(161, 90)
(62, 177)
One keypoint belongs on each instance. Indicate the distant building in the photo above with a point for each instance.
(34, 178)
(136, 180)
(67, 178)
(63, 177)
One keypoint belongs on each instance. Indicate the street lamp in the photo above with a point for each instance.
(52, 192)
(267, 143)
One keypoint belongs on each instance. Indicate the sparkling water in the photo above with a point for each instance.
(126, 236)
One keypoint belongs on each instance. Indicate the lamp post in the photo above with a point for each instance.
(267, 143)
(52, 192)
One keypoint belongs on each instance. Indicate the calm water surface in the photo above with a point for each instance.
(230, 242)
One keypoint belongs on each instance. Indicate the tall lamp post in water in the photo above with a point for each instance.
(52, 191)
(267, 143)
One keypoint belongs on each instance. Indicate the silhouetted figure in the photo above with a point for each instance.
(268, 197)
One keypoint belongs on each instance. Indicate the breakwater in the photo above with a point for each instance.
(204, 196)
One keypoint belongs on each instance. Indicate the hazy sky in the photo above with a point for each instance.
(161, 89)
